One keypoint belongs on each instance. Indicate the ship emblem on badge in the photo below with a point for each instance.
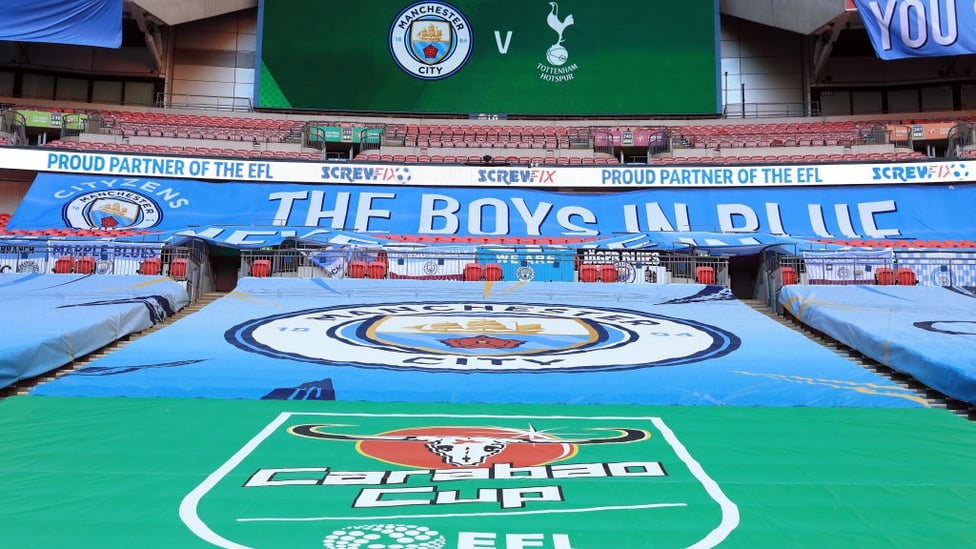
(430, 40)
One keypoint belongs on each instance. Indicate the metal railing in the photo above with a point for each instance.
(899, 268)
(171, 100)
(470, 263)
(97, 257)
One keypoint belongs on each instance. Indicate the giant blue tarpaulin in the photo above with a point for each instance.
(870, 211)
(78, 22)
(913, 28)
(50, 320)
(435, 341)
(926, 332)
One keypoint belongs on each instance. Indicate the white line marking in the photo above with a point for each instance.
(730, 511)
(453, 515)
(188, 507)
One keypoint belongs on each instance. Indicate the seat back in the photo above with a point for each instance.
(356, 269)
(493, 271)
(261, 267)
(177, 268)
(376, 269)
(150, 266)
(705, 274)
(884, 276)
(589, 273)
(789, 276)
(472, 272)
(608, 273)
(64, 264)
(85, 265)
(905, 276)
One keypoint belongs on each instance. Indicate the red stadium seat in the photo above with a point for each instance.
(589, 273)
(493, 271)
(472, 272)
(608, 273)
(261, 268)
(376, 269)
(64, 264)
(177, 268)
(789, 276)
(85, 265)
(705, 274)
(905, 276)
(356, 269)
(884, 276)
(150, 266)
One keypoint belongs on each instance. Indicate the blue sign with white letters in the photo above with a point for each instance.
(930, 211)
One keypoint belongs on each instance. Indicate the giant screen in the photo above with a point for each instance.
(528, 57)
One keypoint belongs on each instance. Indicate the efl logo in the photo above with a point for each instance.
(482, 337)
(432, 481)
(430, 40)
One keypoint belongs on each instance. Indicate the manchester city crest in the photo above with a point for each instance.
(482, 337)
(430, 40)
(112, 209)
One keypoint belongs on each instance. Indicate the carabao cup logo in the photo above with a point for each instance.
(482, 337)
(430, 40)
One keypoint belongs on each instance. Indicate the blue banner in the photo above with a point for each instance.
(78, 22)
(508, 341)
(877, 211)
(916, 28)
(926, 332)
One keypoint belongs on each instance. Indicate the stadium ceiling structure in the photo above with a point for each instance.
(174, 12)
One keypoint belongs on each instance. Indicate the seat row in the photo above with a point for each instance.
(139, 148)
(453, 159)
(150, 266)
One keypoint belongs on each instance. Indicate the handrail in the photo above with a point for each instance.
(203, 102)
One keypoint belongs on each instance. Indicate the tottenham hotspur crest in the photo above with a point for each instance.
(557, 67)
(430, 40)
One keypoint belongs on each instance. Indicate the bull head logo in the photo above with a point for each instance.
(472, 449)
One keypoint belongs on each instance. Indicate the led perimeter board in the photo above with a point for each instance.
(519, 57)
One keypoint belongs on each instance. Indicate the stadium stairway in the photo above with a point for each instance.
(934, 398)
(24, 386)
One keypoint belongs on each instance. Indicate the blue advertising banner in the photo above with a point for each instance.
(875, 211)
(78, 22)
(913, 28)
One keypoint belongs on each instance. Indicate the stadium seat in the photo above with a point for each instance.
(884, 276)
(64, 264)
(905, 276)
(376, 269)
(472, 272)
(261, 268)
(589, 273)
(177, 268)
(356, 269)
(150, 266)
(608, 273)
(85, 265)
(493, 271)
(789, 276)
(705, 274)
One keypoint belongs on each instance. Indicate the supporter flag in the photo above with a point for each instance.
(447, 264)
(910, 28)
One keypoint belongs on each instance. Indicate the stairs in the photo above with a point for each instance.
(934, 398)
(23, 387)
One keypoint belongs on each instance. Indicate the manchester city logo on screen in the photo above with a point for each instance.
(430, 40)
